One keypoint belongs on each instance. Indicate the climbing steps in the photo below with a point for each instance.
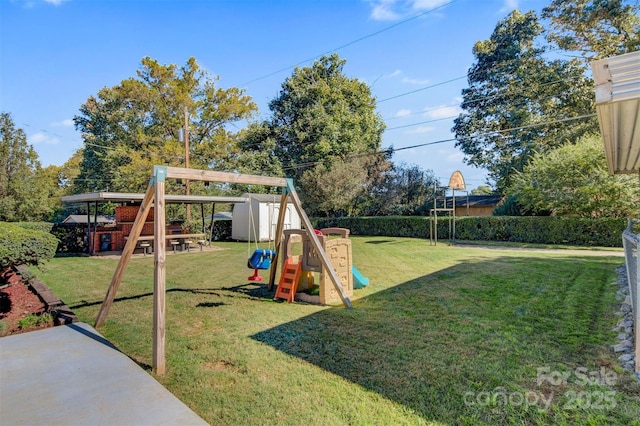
(289, 280)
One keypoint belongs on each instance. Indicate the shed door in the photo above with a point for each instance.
(274, 223)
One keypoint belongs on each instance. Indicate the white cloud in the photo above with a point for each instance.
(64, 123)
(41, 138)
(421, 130)
(509, 5)
(427, 4)
(388, 76)
(393, 10)
(396, 73)
(29, 4)
(454, 156)
(443, 111)
(382, 11)
(408, 80)
(416, 81)
(55, 2)
(403, 113)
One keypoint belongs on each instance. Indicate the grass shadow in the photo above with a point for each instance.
(210, 304)
(254, 291)
(85, 303)
(380, 241)
(428, 342)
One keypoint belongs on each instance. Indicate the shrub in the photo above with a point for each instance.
(19, 245)
(72, 237)
(33, 320)
(221, 230)
(604, 232)
(38, 226)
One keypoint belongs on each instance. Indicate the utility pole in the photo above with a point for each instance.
(186, 156)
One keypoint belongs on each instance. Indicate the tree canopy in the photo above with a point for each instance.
(518, 102)
(134, 125)
(574, 180)
(23, 187)
(321, 115)
(595, 28)
(322, 124)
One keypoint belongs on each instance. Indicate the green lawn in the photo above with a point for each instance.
(443, 335)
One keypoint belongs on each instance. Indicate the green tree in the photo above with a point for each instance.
(594, 28)
(320, 120)
(258, 145)
(415, 189)
(23, 189)
(332, 190)
(482, 190)
(61, 181)
(574, 180)
(517, 99)
(405, 189)
(132, 126)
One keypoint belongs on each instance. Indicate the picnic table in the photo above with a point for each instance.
(181, 240)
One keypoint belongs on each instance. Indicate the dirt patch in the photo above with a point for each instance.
(17, 302)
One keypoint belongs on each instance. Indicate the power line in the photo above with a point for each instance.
(419, 123)
(391, 150)
(421, 89)
(473, 101)
(529, 126)
(351, 42)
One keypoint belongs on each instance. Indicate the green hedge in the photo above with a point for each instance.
(19, 245)
(603, 232)
(391, 226)
(72, 237)
(38, 226)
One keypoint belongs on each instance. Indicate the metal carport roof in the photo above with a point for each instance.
(617, 81)
(129, 197)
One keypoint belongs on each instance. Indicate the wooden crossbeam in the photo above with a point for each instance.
(213, 176)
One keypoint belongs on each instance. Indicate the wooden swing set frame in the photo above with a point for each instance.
(155, 196)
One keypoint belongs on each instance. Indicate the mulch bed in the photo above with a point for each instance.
(17, 301)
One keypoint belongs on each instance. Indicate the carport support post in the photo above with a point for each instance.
(89, 248)
(159, 276)
(213, 213)
(95, 226)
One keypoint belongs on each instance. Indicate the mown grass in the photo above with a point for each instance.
(443, 335)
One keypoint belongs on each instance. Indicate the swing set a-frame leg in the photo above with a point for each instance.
(127, 252)
(278, 237)
(326, 263)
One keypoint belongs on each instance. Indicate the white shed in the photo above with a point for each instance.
(257, 218)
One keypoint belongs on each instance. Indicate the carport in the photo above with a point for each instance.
(125, 198)
(617, 81)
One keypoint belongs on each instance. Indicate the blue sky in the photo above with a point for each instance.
(54, 54)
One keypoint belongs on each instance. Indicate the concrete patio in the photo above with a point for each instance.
(71, 375)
